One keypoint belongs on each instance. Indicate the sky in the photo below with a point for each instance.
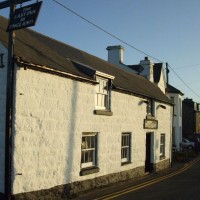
(165, 30)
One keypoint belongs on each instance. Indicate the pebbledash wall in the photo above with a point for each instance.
(52, 112)
(50, 115)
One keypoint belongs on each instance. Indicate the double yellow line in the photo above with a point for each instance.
(147, 183)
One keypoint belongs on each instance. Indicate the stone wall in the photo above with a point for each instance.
(162, 165)
(71, 190)
(51, 114)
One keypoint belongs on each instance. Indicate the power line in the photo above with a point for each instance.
(187, 66)
(124, 42)
(112, 35)
(184, 82)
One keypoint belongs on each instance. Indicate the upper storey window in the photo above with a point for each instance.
(103, 94)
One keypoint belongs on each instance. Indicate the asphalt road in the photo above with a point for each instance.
(182, 186)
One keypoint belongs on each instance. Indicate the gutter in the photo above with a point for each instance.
(49, 70)
(140, 95)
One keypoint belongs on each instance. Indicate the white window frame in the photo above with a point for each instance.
(88, 148)
(126, 147)
(162, 145)
(102, 97)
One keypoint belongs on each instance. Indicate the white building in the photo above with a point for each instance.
(176, 97)
(78, 122)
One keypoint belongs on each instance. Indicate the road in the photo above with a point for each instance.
(184, 185)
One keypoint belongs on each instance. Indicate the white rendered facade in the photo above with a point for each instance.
(51, 113)
(177, 119)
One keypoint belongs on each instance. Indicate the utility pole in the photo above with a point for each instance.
(9, 94)
(167, 72)
(9, 85)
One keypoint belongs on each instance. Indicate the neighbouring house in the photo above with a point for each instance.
(78, 122)
(191, 117)
(154, 72)
(176, 97)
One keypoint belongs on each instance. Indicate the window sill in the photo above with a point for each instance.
(126, 163)
(89, 170)
(103, 112)
(162, 157)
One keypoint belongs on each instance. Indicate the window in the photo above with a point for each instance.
(88, 150)
(180, 104)
(151, 108)
(172, 99)
(162, 146)
(102, 94)
(126, 147)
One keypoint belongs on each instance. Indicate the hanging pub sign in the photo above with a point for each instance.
(24, 17)
(150, 124)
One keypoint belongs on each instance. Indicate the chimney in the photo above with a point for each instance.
(115, 54)
(148, 69)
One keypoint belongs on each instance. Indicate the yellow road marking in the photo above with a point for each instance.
(145, 184)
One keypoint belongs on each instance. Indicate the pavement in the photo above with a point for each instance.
(101, 193)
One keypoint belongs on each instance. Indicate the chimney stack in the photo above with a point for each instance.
(115, 54)
(148, 69)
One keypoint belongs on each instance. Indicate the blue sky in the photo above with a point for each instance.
(168, 30)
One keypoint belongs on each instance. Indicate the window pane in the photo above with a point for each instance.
(125, 148)
(102, 92)
(88, 150)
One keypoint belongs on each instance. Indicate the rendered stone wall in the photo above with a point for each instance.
(52, 113)
(3, 78)
(162, 165)
(72, 189)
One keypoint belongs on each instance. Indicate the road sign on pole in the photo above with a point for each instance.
(9, 87)
(7, 3)
(24, 17)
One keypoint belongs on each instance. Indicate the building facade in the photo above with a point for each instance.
(191, 117)
(176, 97)
(78, 123)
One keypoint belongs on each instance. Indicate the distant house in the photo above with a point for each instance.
(78, 122)
(176, 97)
(191, 117)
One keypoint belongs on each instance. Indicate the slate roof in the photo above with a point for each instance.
(39, 49)
(156, 70)
(171, 89)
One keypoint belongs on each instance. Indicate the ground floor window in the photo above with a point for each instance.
(162, 146)
(88, 150)
(126, 147)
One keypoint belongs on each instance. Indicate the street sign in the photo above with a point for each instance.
(24, 17)
(7, 3)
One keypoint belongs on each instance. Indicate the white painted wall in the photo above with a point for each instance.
(3, 78)
(177, 121)
(51, 114)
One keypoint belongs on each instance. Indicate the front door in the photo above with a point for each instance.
(148, 163)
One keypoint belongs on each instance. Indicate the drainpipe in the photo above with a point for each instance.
(9, 105)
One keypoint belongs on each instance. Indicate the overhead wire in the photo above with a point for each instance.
(124, 42)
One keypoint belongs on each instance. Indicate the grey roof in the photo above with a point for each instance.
(157, 68)
(39, 49)
(171, 89)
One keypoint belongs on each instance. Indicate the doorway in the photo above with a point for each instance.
(149, 152)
